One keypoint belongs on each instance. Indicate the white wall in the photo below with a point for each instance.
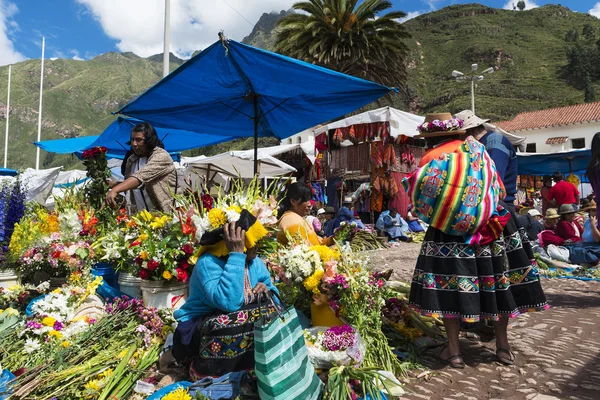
(576, 131)
(301, 137)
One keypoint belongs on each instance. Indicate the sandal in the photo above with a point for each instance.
(451, 360)
(505, 356)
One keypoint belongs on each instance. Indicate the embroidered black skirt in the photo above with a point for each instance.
(456, 280)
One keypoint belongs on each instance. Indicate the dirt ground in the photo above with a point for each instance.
(557, 351)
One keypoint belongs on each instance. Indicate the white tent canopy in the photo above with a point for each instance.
(238, 164)
(401, 122)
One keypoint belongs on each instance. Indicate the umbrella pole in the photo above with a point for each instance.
(255, 134)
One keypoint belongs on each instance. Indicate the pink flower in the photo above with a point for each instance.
(242, 317)
(223, 319)
(330, 271)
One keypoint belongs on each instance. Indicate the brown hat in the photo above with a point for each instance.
(551, 213)
(567, 209)
(440, 124)
(590, 206)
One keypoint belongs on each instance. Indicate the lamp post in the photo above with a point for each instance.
(460, 77)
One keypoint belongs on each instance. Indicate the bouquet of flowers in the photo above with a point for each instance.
(15, 298)
(95, 190)
(338, 345)
(154, 247)
(56, 257)
(437, 125)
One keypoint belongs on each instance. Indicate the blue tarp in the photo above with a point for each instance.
(573, 161)
(116, 136)
(229, 85)
(8, 172)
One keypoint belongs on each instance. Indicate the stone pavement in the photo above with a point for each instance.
(557, 351)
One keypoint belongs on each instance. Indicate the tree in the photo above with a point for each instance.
(589, 94)
(572, 35)
(348, 37)
(521, 5)
(589, 33)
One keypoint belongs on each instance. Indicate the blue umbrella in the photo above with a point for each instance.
(116, 138)
(237, 90)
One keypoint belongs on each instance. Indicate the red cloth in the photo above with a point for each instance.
(569, 230)
(549, 237)
(564, 193)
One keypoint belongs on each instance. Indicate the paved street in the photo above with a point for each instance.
(557, 351)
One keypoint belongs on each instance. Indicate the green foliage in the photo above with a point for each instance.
(356, 39)
(589, 91)
(521, 5)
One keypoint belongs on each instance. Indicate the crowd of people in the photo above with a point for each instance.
(462, 274)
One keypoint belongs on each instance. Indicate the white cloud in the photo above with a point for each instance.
(137, 25)
(409, 15)
(510, 4)
(75, 55)
(8, 27)
(431, 3)
(595, 11)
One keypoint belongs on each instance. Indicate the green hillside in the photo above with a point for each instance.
(528, 50)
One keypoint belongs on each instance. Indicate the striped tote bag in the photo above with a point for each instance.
(282, 366)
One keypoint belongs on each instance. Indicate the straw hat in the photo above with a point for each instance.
(470, 120)
(591, 206)
(551, 214)
(566, 209)
(439, 117)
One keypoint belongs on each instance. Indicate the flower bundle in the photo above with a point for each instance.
(153, 246)
(338, 345)
(15, 298)
(56, 256)
(437, 125)
(95, 190)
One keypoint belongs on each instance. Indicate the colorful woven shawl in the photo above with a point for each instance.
(458, 192)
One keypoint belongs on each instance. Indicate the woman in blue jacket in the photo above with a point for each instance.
(215, 334)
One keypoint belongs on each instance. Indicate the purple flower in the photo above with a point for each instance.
(340, 280)
(339, 338)
(58, 326)
(33, 325)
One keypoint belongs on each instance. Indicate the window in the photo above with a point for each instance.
(299, 139)
(578, 143)
(289, 141)
(530, 148)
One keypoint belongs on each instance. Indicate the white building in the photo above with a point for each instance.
(556, 129)
(301, 137)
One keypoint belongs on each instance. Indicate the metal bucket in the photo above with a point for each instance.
(162, 294)
(130, 285)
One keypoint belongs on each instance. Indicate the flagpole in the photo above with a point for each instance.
(39, 135)
(7, 116)
(167, 39)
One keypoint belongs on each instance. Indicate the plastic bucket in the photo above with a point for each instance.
(322, 315)
(107, 272)
(130, 285)
(161, 294)
(8, 278)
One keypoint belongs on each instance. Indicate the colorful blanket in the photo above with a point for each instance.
(458, 193)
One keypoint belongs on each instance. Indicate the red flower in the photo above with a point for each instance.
(182, 275)
(188, 249)
(152, 265)
(184, 264)
(136, 243)
(56, 254)
(138, 260)
(144, 273)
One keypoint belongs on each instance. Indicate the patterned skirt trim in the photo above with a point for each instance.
(456, 280)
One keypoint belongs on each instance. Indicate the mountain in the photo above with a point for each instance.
(528, 50)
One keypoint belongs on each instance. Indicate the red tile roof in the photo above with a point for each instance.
(557, 140)
(579, 113)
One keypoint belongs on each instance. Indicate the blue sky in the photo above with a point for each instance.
(82, 29)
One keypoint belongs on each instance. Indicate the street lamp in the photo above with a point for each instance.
(460, 77)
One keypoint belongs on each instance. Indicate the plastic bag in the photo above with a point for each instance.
(326, 359)
(559, 253)
(6, 377)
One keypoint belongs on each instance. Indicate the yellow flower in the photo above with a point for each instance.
(55, 334)
(75, 277)
(142, 237)
(94, 384)
(159, 222)
(91, 288)
(326, 253)
(48, 321)
(179, 394)
(14, 288)
(235, 208)
(106, 374)
(146, 216)
(122, 354)
(312, 282)
(65, 344)
(56, 291)
(167, 275)
(11, 311)
(144, 255)
(217, 217)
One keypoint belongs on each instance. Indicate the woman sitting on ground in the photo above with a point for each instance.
(215, 332)
(587, 251)
(569, 230)
(548, 235)
(414, 224)
(296, 206)
(392, 224)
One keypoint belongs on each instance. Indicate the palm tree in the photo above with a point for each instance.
(349, 38)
